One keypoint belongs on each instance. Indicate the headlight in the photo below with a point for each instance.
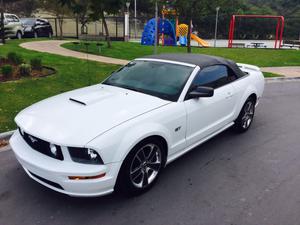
(85, 155)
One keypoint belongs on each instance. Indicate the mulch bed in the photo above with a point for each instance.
(3, 143)
(45, 71)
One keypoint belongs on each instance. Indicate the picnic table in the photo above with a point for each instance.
(291, 44)
(257, 45)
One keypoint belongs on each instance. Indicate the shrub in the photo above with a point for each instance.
(14, 58)
(36, 63)
(7, 70)
(25, 69)
(2, 59)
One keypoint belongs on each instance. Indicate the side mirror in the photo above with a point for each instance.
(201, 92)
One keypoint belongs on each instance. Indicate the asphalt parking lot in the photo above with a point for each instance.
(253, 178)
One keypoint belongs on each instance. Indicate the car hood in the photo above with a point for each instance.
(75, 118)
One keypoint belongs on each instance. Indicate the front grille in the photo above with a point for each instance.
(47, 181)
(42, 146)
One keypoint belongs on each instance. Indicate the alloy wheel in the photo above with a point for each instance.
(145, 165)
(248, 115)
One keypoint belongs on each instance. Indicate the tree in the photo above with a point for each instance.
(80, 9)
(98, 9)
(22, 7)
(59, 10)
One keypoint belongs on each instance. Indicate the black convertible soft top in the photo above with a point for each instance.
(200, 60)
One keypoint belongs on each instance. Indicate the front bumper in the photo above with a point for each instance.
(54, 173)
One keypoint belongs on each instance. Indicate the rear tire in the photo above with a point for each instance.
(245, 118)
(142, 167)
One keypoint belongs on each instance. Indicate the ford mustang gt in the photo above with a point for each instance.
(121, 133)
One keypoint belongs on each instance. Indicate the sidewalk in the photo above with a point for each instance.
(287, 71)
(54, 47)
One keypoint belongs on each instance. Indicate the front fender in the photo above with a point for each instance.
(114, 145)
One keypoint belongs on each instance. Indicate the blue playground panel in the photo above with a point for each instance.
(164, 27)
(183, 40)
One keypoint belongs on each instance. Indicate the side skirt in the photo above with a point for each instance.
(171, 158)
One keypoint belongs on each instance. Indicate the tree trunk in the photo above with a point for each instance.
(60, 24)
(2, 32)
(106, 30)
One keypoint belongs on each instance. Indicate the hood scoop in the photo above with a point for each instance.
(91, 97)
(74, 100)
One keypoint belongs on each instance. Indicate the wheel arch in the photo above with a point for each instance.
(115, 145)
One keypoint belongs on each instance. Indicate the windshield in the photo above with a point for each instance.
(163, 80)
(30, 22)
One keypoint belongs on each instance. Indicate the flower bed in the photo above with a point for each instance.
(13, 67)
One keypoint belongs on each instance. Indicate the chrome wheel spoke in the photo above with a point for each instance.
(145, 179)
(154, 166)
(136, 174)
(152, 153)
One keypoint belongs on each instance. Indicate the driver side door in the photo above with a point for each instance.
(207, 115)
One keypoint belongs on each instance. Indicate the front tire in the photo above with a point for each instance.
(245, 118)
(142, 167)
(19, 35)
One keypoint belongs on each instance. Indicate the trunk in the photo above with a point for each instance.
(106, 30)
(60, 23)
(189, 49)
(2, 32)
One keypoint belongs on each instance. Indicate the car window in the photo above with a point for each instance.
(214, 76)
(15, 19)
(9, 19)
(40, 22)
(28, 21)
(163, 80)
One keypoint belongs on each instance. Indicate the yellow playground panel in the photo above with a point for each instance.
(182, 30)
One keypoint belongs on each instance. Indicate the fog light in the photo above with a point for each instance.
(86, 177)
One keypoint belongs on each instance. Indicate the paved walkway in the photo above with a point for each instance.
(287, 71)
(54, 47)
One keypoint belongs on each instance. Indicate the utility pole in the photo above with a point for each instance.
(135, 31)
(2, 33)
(216, 26)
(156, 28)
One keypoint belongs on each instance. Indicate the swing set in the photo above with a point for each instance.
(279, 27)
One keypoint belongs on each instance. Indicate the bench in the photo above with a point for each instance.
(238, 45)
(257, 45)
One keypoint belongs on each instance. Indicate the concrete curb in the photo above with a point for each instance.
(281, 79)
(6, 135)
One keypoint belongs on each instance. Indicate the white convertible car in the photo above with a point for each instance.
(120, 134)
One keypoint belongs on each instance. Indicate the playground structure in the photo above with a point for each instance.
(169, 31)
(279, 28)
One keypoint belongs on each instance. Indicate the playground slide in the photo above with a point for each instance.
(199, 40)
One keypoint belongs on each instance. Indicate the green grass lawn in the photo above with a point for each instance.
(259, 57)
(71, 74)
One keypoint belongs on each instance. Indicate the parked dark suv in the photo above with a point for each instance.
(37, 27)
